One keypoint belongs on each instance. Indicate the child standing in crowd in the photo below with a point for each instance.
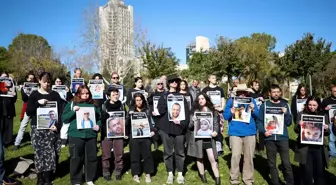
(113, 104)
(46, 143)
(82, 142)
(313, 159)
(196, 147)
(141, 147)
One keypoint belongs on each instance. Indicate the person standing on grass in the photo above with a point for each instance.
(196, 147)
(194, 90)
(82, 142)
(213, 87)
(114, 82)
(173, 132)
(277, 142)
(138, 86)
(24, 118)
(46, 143)
(301, 93)
(141, 147)
(117, 144)
(313, 159)
(242, 138)
(326, 106)
(231, 92)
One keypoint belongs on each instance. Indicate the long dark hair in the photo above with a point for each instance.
(298, 93)
(319, 108)
(196, 106)
(136, 79)
(186, 84)
(144, 102)
(77, 98)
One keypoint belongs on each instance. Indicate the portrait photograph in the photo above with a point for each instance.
(47, 115)
(86, 118)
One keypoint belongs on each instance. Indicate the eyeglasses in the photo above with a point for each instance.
(117, 77)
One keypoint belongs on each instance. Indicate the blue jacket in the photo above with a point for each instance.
(287, 120)
(237, 128)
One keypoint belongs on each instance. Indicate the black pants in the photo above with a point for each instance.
(272, 148)
(314, 168)
(6, 124)
(141, 147)
(83, 151)
(172, 144)
(261, 143)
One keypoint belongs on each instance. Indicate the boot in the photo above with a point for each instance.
(47, 176)
(204, 179)
(217, 181)
(40, 180)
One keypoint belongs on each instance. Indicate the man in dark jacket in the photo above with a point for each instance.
(194, 89)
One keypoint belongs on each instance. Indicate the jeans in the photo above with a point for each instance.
(272, 148)
(332, 139)
(22, 129)
(2, 159)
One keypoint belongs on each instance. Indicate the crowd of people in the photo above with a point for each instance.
(171, 113)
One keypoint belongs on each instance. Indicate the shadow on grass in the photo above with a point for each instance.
(10, 164)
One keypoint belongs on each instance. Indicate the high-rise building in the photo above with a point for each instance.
(200, 45)
(116, 36)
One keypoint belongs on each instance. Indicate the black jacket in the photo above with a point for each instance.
(108, 107)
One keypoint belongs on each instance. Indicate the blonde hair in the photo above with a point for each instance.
(155, 82)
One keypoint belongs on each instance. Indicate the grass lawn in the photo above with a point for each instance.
(159, 178)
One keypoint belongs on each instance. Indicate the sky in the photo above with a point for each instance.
(175, 23)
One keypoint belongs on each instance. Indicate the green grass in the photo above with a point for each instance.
(260, 163)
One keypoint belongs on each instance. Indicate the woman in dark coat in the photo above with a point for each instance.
(197, 146)
(313, 159)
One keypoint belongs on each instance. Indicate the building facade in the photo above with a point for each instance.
(116, 36)
(201, 44)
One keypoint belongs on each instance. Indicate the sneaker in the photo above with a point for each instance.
(180, 179)
(148, 178)
(89, 183)
(62, 146)
(170, 179)
(136, 179)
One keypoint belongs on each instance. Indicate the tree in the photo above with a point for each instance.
(158, 60)
(198, 66)
(4, 59)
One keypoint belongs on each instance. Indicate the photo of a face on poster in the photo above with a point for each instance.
(274, 120)
(176, 108)
(215, 97)
(242, 109)
(47, 115)
(75, 83)
(7, 88)
(61, 89)
(203, 127)
(300, 104)
(332, 113)
(86, 118)
(29, 87)
(312, 129)
(115, 125)
(97, 89)
(140, 125)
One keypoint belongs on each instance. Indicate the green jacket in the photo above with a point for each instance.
(69, 116)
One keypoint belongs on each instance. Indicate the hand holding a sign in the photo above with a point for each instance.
(326, 127)
(328, 107)
(284, 110)
(232, 110)
(96, 128)
(152, 134)
(53, 128)
(76, 108)
(177, 122)
(67, 89)
(194, 118)
(42, 101)
(214, 134)
(267, 134)
(251, 106)
(131, 112)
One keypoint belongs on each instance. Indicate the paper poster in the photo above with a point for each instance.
(61, 89)
(274, 120)
(29, 87)
(7, 87)
(97, 89)
(242, 109)
(47, 115)
(175, 107)
(143, 92)
(188, 98)
(203, 127)
(155, 104)
(86, 118)
(140, 125)
(115, 125)
(312, 129)
(332, 113)
(120, 89)
(300, 104)
(75, 83)
(215, 97)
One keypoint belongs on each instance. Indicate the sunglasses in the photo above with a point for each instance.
(159, 84)
(174, 81)
(115, 77)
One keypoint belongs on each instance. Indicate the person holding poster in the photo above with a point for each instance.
(153, 100)
(197, 146)
(173, 131)
(329, 106)
(82, 142)
(313, 159)
(46, 142)
(184, 89)
(8, 112)
(298, 101)
(141, 146)
(116, 84)
(99, 89)
(107, 143)
(23, 117)
(138, 86)
(276, 112)
(242, 137)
